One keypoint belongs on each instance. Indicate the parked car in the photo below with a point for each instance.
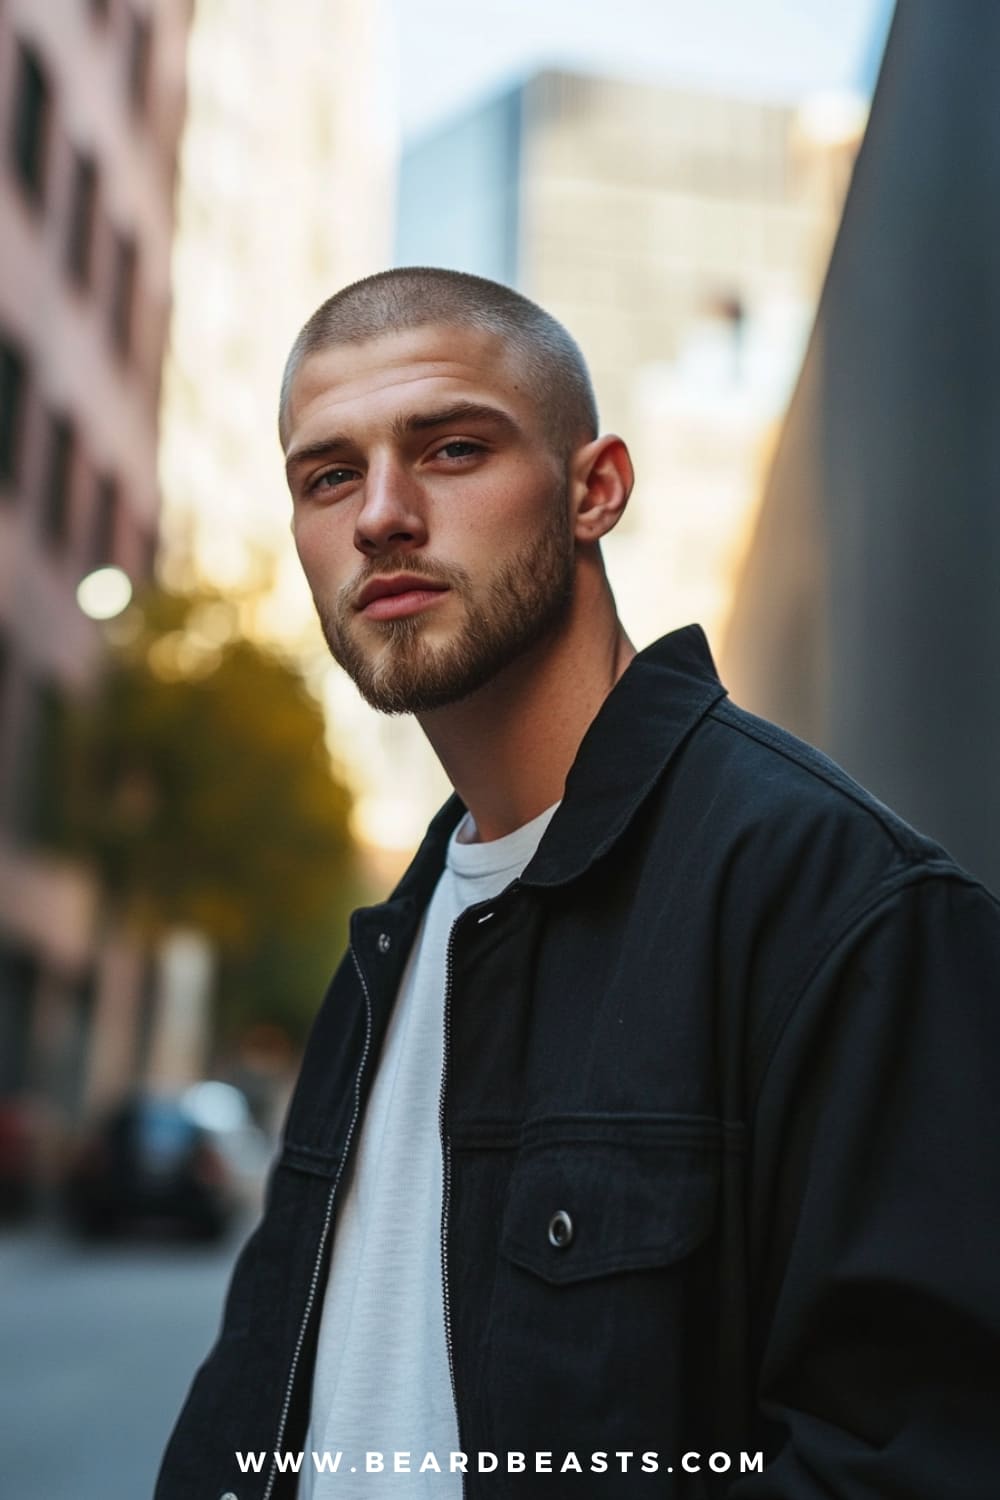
(152, 1162)
(223, 1111)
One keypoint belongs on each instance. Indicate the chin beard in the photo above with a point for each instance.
(526, 602)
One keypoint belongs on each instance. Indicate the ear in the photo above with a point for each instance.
(601, 482)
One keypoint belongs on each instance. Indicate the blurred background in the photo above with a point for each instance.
(772, 229)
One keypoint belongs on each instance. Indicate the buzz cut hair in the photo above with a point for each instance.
(416, 296)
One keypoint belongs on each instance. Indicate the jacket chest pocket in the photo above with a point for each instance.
(576, 1211)
(605, 1268)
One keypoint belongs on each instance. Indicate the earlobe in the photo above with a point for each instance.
(604, 477)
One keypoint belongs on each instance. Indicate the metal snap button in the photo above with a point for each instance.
(560, 1229)
(228, 1496)
(384, 942)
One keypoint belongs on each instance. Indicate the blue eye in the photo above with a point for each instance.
(465, 449)
(331, 478)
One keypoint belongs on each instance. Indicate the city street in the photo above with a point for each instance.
(99, 1344)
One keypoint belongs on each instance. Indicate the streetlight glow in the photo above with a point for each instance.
(104, 593)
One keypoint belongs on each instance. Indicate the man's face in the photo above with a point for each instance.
(430, 515)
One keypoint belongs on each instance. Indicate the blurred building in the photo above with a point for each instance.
(682, 237)
(284, 195)
(867, 618)
(92, 94)
(629, 209)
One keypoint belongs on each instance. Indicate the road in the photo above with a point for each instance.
(97, 1348)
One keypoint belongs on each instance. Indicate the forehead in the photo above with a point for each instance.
(359, 385)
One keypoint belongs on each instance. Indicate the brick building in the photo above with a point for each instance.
(91, 107)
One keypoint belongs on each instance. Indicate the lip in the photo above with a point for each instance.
(397, 594)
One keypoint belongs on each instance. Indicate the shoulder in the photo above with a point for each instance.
(803, 776)
(820, 883)
(788, 853)
(792, 803)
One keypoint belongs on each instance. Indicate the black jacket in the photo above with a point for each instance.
(739, 1024)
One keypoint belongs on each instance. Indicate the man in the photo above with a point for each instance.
(647, 1140)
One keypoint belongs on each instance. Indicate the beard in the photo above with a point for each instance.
(526, 600)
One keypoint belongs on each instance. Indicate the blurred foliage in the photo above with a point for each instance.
(198, 781)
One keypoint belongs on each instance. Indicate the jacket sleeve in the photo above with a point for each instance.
(875, 1208)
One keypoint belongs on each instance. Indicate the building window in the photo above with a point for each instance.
(123, 292)
(46, 807)
(13, 385)
(140, 49)
(4, 675)
(34, 806)
(30, 125)
(5, 687)
(103, 536)
(59, 481)
(83, 204)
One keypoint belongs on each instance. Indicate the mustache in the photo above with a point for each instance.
(448, 575)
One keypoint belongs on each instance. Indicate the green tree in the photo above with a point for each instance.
(198, 781)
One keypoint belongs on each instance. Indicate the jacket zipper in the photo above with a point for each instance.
(490, 906)
(446, 1186)
(328, 1219)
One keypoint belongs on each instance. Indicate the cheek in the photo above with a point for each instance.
(525, 524)
(501, 520)
(324, 546)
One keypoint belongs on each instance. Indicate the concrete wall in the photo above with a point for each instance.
(869, 614)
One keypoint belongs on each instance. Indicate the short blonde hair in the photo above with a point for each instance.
(415, 296)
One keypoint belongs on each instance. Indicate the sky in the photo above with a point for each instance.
(451, 52)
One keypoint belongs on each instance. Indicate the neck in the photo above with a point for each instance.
(508, 747)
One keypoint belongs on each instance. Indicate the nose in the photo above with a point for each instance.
(391, 516)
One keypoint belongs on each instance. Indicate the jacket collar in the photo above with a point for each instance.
(652, 708)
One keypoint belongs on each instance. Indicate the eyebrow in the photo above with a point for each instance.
(460, 411)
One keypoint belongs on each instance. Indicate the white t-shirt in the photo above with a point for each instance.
(382, 1383)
